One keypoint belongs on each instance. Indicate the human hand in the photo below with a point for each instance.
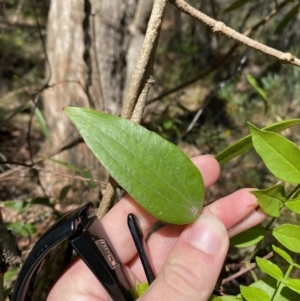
(186, 259)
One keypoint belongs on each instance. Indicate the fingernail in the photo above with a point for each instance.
(208, 234)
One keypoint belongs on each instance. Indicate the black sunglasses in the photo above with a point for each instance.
(80, 231)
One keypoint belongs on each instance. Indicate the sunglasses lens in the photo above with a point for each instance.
(49, 271)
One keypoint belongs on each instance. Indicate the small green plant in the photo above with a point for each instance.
(164, 182)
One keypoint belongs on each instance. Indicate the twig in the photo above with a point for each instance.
(146, 56)
(140, 105)
(223, 59)
(220, 27)
(72, 177)
(245, 270)
(140, 84)
(39, 159)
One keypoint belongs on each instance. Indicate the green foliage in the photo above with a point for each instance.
(269, 268)
(156, 173)
(254, 294)
(141, 288)
(136, 157)
(248, 238)
(187, 50)
(245, 143)
(289, 236)
(252, 81)
(278, 153)
(271, 199)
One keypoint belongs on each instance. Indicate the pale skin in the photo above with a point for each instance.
(186, 259)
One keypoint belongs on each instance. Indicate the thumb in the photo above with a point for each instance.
(192, 268)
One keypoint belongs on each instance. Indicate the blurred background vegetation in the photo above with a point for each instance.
(206, 89)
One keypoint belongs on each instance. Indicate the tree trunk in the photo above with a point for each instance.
(88, 43)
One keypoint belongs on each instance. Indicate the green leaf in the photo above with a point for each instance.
(289, 236)
(86, 173)
(293, 284)
(235, 5)
(294, 205)
(254, 294)
(245, 143)
(280, 155)
(45, 201)
(64, 191)
(66, 164)
(296, 265)
(248, 238)
(10, 274)
(287, 18)
(156, 173)
(269, 268)
(283, 254)
(22, 228)
(41, 120)
(141, 288)
(19, 205)
(269, 285)
(271, 199)
(252, 81)
(133, 293)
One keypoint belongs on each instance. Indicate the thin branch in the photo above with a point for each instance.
(197, 77)
(245, 270)
(72, 177)
(142, 67)
(220, 27)
(140, 84)
(140, 105)
(223, 59)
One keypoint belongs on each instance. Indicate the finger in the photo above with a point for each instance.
(234, 208)
(236, 211)
(255, 218)
(115, 222)
(209, 167)
(193, 266)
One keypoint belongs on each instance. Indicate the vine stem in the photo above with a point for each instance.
(220, 27)
(140, 84)
(281, 285)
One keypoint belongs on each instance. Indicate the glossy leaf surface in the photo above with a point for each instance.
(293, 284)
(245, 143)
(269, 285)
(271, 199)
(294, 205)
(279, 154)
(289, 236)
(254, 294)
(283, 254)
(269, 268)
(249, 237)
(156, 173)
